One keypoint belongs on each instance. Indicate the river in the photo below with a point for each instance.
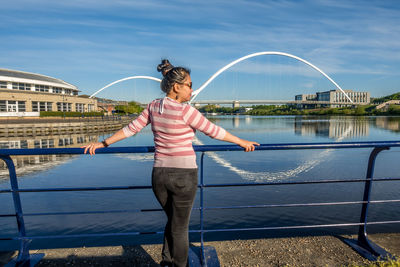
(222, 167)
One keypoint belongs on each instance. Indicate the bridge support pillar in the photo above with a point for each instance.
(236, 104)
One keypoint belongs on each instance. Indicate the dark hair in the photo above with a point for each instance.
(171, 75)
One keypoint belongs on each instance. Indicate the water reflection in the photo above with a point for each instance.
(236, 120)
(331, 128)
(388, 123)
(30, 164)
(336, 128)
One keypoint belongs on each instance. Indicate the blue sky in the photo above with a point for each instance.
(94, 42)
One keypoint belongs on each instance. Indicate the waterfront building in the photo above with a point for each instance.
(337, 96)
(334, 96)
(24, 94)
(306, 97)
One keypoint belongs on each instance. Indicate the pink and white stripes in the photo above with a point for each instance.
(173, 125)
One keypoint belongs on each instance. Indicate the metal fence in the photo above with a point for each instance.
(206, 255)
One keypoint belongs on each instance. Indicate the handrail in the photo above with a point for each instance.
(202, 148)
(363, 245)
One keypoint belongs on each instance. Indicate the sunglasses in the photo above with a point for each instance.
(188, 84)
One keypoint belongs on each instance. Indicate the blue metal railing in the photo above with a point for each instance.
(363, 245)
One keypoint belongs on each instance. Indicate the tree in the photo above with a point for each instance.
(132, 108)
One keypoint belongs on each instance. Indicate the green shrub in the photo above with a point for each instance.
(132, 108)
(395, 96)
(394, 109)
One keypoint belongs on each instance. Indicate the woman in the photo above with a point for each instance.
(174, 177)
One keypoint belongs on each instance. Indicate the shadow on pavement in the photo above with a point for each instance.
(103, 256)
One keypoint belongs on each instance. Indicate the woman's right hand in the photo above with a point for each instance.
(92, 147)
(248, 145)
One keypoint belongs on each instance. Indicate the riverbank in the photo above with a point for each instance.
(293, 251)
(59, 126)
(273, 110)
(17, 120)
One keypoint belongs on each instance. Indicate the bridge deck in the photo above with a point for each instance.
(276, 102)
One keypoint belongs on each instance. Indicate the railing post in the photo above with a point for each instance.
(206, 256)
(23, 258)
(362, 232)
(203, 258)
(363, 245)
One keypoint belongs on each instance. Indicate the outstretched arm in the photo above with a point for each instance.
(91, 148)
(132, 128)
(197, 121)
(247, 145)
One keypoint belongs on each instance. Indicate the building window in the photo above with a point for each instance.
(21, 86)
(35, 106)
(3, 84)
(61, 106)
(21, 106)
(57, 90)
(90, 107)
(3, 106)
(79, 107)
(75, 92)
(67, 91)
(41, 106)
(41, 88)
(12, 106)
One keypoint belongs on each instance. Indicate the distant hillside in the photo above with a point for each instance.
(395, 96)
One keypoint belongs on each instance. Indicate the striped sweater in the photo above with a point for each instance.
(174, 125)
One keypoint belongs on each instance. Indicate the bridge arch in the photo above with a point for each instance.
(204, 85)
(125, 79)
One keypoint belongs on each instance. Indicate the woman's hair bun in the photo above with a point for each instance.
(164, 67)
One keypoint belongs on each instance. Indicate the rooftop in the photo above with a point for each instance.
(35, 77)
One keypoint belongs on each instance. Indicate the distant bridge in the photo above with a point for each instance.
(237, 103)
(196, 92)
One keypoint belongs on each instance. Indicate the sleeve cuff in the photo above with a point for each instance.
(221, 134)
(127, 131)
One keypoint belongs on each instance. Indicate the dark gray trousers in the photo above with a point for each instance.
(175, 189)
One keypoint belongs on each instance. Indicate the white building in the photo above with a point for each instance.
(335, 96)
(26, 94)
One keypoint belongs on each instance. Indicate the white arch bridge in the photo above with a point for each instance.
(221, 70)
(237, 103)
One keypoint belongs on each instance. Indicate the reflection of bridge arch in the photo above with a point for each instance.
(195, 93)
(125, 79)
